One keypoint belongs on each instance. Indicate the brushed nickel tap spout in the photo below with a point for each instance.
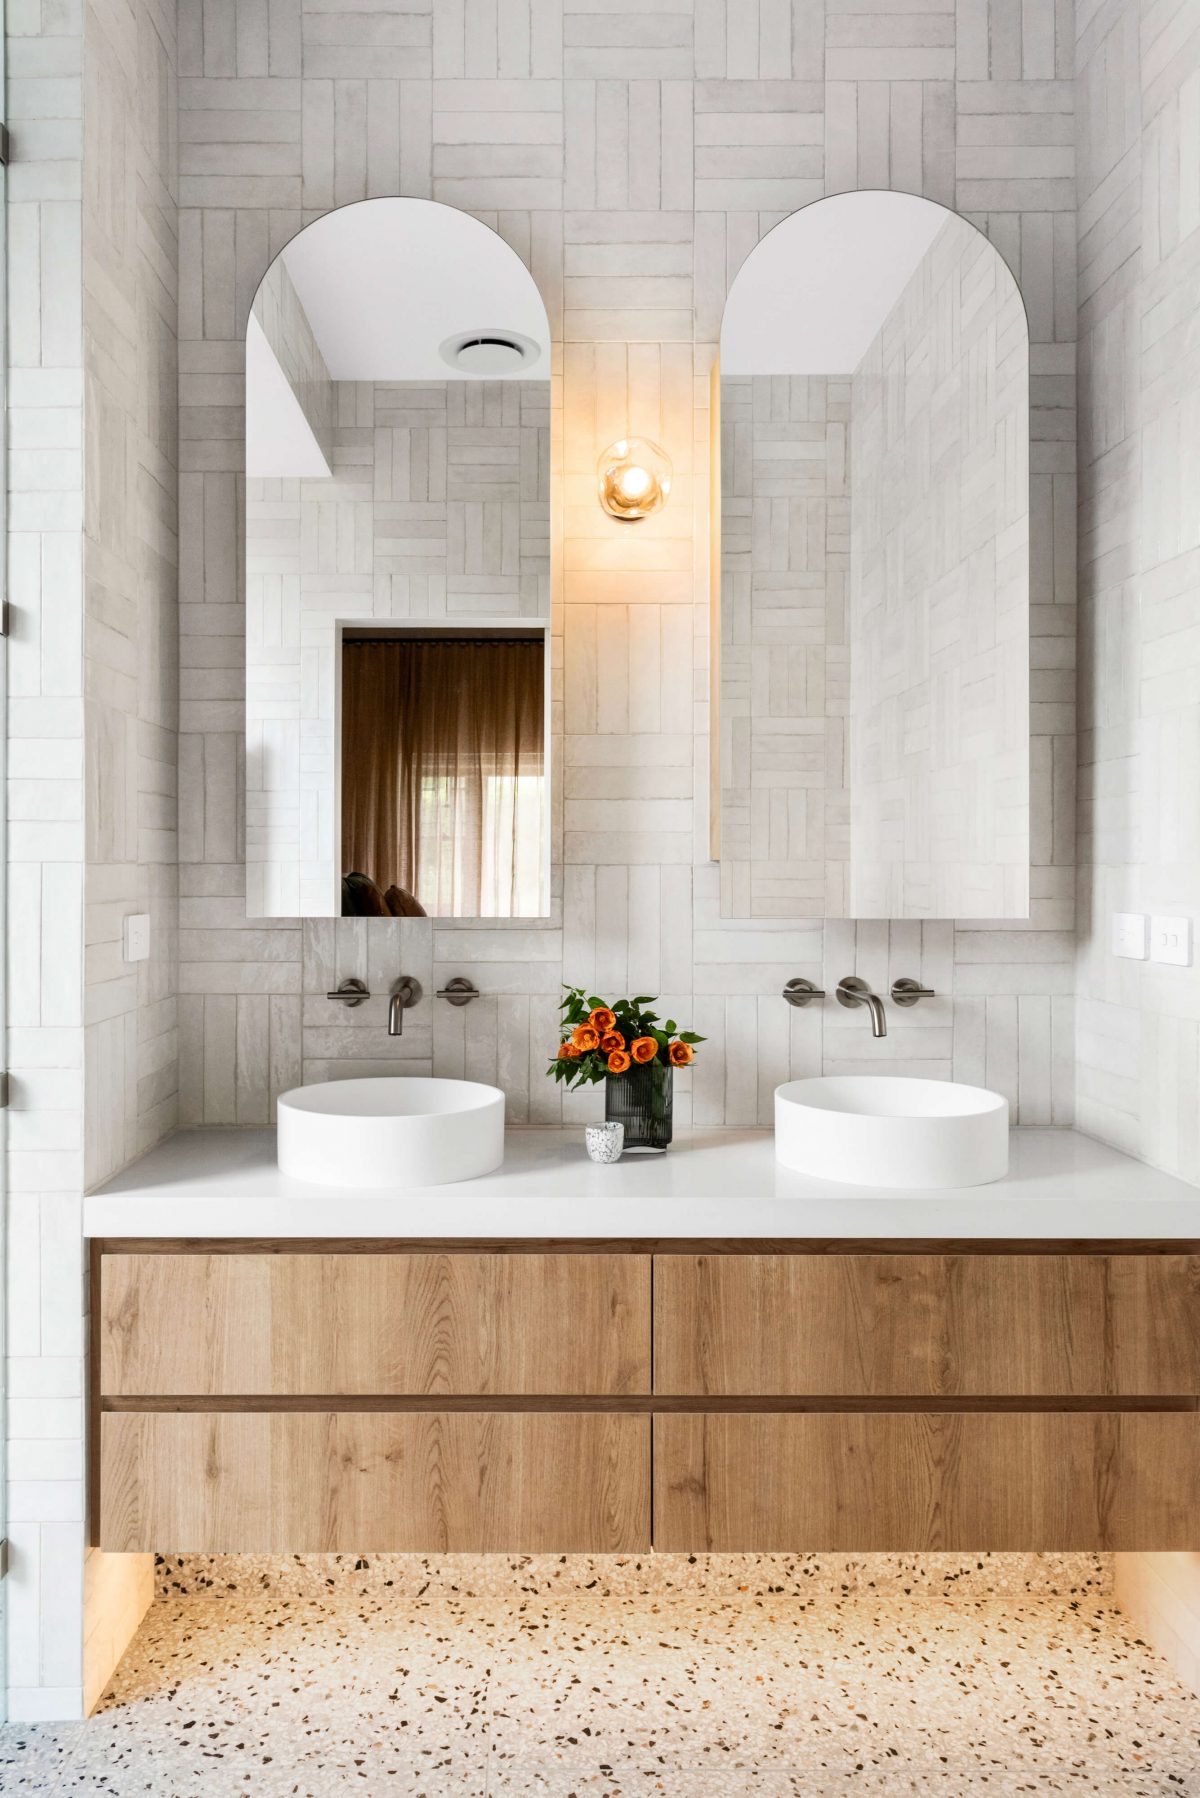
(852, 991)
(406, 992)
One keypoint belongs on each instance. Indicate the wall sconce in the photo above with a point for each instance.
(633, 477)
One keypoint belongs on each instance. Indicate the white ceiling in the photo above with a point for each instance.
(812, 295)
(385, 282)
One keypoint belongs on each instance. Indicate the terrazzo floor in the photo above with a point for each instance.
(439, 1688)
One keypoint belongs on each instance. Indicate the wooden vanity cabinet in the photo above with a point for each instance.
(297, 1482)
(927, 1325)
(370, 1323)
(610, 1397)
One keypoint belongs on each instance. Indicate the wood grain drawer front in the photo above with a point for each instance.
(323, 1482)
(374, 1324)
(908, 1481)
(927, 1325)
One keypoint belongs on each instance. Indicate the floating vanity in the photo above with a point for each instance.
(704, 1351)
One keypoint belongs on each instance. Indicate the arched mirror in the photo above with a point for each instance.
(872, 680)
(397, 572)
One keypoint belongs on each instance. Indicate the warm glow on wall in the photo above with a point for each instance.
(634, 478)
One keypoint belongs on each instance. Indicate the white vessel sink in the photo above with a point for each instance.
(391, 1132)
(881, 1130)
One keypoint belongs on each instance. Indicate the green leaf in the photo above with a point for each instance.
(644, 999)
(689, 1036)
(660, 1037)
(669, 1026)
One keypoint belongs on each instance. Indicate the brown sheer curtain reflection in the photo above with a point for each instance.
(442, 764)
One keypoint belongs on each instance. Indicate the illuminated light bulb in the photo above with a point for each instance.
(634, 483)
(633, 478)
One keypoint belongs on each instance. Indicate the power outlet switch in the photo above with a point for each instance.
(1171, 941)
(137, 936)
(1129, 935)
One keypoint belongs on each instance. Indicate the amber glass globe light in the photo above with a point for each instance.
(634, 478)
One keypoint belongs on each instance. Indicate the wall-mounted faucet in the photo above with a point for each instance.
(852, 991)
(406, 992)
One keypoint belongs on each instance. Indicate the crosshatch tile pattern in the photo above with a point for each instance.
(632, 159)
(785, 650)
(439, 507)
(1139, 535)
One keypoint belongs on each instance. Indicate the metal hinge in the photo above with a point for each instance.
(3, 1556)
(3, 1092)
(4, 618)
(4, 146)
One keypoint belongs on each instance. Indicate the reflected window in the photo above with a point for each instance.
(442, 775)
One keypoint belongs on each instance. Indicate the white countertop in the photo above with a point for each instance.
(710, 1184)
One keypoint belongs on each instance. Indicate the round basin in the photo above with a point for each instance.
(390, 1132)
(876, 1130)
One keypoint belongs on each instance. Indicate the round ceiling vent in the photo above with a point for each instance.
(487, 354)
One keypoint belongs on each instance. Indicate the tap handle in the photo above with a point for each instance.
(350, 992)
(459, 990)
(799, 991)
(907, 991)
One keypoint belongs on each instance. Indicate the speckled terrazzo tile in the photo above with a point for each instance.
(504, 1576)
(320, 1771)
(533, 1780)
(32, 1753)
(792, 1685)
(435, 1691)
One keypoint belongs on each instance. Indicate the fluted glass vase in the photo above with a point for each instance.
(641, 1099)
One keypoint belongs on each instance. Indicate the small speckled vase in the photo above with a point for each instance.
(604, 1142)
(642, 1100)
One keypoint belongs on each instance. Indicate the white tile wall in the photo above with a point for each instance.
(632, 160)
(1138, 1042)
(785, 646)
(91, 757)
(44, 1159)
(131, 575)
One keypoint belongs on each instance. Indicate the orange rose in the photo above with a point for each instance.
(602, 1019)
(679, 1054)
(618, 1061)
(643, 1048)
(612, 1039)
(585, 1038)
(568, 1052)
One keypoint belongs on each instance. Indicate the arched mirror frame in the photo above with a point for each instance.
(1013, 879)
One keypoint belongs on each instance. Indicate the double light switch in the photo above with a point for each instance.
(1163, 939)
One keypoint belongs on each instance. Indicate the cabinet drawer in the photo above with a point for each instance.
(962, 1481)
(412, 1482)
(373, 1324)
(927, 1325)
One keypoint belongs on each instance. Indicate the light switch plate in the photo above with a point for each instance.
(1129, 936)
(137, 936)
(1171, 941)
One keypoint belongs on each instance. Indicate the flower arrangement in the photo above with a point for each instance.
(601, 1039)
